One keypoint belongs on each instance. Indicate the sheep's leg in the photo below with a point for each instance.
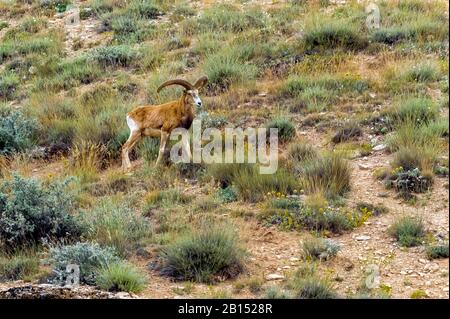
(126, 148)
(162, 147)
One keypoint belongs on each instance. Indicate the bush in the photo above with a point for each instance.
(114, 56)
(90, 257)
(212, 251)
(286, 130)
(227, 195)
(330, 174)
(18, 267)
(116, 225)
(437, 251)
(320, 248)
(423, 72)
(409, 231)
(120, 277)
(299, 153)
(160, 198)
(16, 131)
(9, 82)
(31, 212)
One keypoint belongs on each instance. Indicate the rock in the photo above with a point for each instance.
(294, 259)
(141, 252)
(362, 238)
(363, 166)
(423, 261)
(274, 277)
(379, 147)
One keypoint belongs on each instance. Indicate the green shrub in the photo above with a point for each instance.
(423, 72)
(409, 231)
(437, 251)
(200, 256)
(330, 174)
(16, 131)
(120, 277)
(90, 257)
(160, 198)
(286, 129)
(319, 248)
(9, 83)
(18, 266)
(116, 225)
(31, 212)
(114, 56)
(144, 9)
(227, 194)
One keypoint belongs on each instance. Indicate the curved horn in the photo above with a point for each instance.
(201, 82)
(181, 82)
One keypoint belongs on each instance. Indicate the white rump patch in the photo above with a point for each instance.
(132, 124)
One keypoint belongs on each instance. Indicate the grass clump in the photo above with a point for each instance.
(415, 110)
(437, 250)
(116, 225)
(120, 277)
(314, 288)
(329, 174)
(161, 198)
(9, 83)
(349, 131)
(286, 129)
(114, 56)
(204, 255)
(319, 248)
(18, 266)
(409, 231)
(333, 34)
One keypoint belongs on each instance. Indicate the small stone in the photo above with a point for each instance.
(379, 147)
(445, 289)
(362, 238)
(286, 267)
(363, 166)
(423, 261)
(293, 259)
(274, 277)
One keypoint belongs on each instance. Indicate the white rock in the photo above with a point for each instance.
(363, 166)
(379, 147)
(274, 277)
(362, 237)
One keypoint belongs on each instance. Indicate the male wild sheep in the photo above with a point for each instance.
(160, 120)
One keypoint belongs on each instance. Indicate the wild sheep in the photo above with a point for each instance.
(160, 120)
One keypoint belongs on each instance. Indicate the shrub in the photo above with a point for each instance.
(423, 72)
(18, 266)
(200, 256)
(9, 82)
(120, 277)
(330, 174)
(31, 212)
(437, 251)
(409, 231)
(407, 182)
(286, 130)
(320, 248)
(227, 195)
(372, 209)
(144, 9)
(90, 257)
(347, 132)
(116, 225)
(16, 131)
(114, 56)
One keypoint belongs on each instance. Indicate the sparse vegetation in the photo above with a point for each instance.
(120, 277)
(409, 231)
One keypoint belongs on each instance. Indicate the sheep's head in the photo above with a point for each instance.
(191, 91)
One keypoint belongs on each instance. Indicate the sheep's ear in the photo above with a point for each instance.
(201, 82)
